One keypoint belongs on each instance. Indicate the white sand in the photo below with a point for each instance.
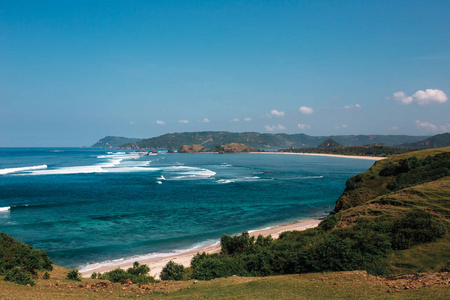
(329, 155)
(157, 263)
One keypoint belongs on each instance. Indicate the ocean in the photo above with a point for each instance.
(90, 206)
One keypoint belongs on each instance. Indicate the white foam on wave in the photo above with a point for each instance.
(5, 209)
(225, 181)
(195, 247)
(195, 174)
(21, 169)
(69, 170)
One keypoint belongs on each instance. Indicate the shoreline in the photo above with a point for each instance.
(157, 263)
(326, 155)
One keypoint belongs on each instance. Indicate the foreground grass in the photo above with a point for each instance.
(336, 285)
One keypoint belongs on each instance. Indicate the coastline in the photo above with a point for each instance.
(327, 155)
(157, 263)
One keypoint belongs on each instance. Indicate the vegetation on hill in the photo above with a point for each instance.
(372, 150)
(399, 207)
(19, 262)
(209, 139)
(192, 149)
(437, 141)
(114, 141)
(330, 285)
(234, 148)
(329, 143)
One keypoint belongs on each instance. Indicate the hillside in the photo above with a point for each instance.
(192, 149)
(234, 148)
(329, 143)
(113, 142)
(209, 139)
(437, 141)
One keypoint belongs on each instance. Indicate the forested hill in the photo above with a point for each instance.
(113, 142)
(439, 140)
(210, 139)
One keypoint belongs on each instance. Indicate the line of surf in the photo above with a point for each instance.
(21, 169)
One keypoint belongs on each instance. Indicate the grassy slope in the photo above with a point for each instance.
(433, 197)
(342, 285)
(375, 185)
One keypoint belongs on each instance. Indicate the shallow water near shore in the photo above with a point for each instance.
(84, 206)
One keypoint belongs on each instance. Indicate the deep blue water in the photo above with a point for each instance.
(84, 206)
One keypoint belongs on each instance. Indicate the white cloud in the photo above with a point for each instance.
(353, 106)
(277, 113)
(160, 122)
(132, 123)
(235, 120)
(274, 127)
(429, 96)
(184, 121)
(432, 127)
(393, 128)
(247, 119)
(205, 120)
(304, 126)
(306, 110)
(402, 98)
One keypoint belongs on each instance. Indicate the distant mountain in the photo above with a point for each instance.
(210, 139)
(329, 143)
(113, 142)
(437, 141)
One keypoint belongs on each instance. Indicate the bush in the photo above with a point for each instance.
(137, 274)
(237, 244)
(19, 275)
(17, 254)
(207, 267)
(172, 271)
(74, 275)
(94, 275)
(354, 182)
(46, 275)
(416, 227)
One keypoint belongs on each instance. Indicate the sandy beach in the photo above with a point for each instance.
(328, 155)
(157, 263)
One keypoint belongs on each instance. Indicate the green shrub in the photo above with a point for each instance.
(416, 227)
(330, 222)
(46, 275)
(237, 244)
(137, 274)
(74, 275)
(116, 275)
(207, 267)
(172, 271)
(354, 182)
(19, 275)
(17, 254)
(94, 275)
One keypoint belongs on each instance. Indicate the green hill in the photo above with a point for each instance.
(437, 141)
(209, 139)
(113, 142)
(329, 143)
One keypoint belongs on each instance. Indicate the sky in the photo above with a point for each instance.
(72, 72)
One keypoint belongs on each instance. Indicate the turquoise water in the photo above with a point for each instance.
(84, 206)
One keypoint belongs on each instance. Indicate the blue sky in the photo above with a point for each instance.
(72, 72)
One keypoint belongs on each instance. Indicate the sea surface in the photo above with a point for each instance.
(85, 206)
